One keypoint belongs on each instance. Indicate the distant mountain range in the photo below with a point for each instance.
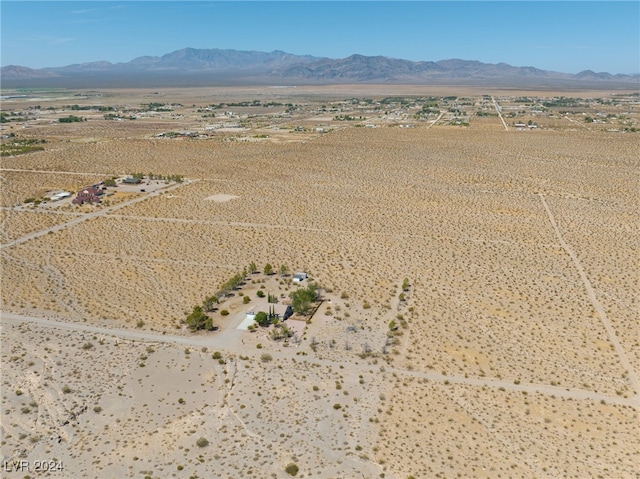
(200, 67)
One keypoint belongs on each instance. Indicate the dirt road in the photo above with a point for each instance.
(499, 111)
(229, 340)
(633, 377)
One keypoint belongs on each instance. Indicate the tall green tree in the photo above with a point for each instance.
(198, 320)
(302, 298)
(262, 319)
(210, 303)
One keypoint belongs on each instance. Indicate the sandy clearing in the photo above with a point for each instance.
(221, 198)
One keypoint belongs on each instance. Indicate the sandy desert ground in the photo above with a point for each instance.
(513, 351)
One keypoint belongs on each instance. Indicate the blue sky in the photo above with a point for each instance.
(562, 36)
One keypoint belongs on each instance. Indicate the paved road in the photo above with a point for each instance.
(499, 111)
(229, 341)
(633, 377)
(88, 216)
(577, 123)
(436, 120)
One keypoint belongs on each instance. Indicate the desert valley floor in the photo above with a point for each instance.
(476, 254)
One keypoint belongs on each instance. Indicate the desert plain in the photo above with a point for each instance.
(476, 254)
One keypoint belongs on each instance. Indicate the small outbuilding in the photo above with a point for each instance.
(132, 181)
(299, 277)
(60, 196)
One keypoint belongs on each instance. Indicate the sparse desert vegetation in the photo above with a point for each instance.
(475, 298)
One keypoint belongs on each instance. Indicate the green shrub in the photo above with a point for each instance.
(262, 319)
(266, 357)
(292, 469)
(202, 442)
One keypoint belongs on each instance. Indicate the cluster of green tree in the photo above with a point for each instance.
(426, 110)
(174, 178)
(198, 320)
(357, 101)
(155, 106)
(71, 119)
(12, 116)
(395, 99)
(22, 146)
(230, 285)
(110, 182)
(116, 116)
(302, 299)
(562, 101)
(85, 108)
(153, 176)
(347, 118)
(485, 113)
(171, 134)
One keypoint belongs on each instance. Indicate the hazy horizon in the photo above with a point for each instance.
(567, 37)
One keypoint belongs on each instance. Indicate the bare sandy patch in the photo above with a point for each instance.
(221, 198)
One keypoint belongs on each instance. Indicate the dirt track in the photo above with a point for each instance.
(228, 341)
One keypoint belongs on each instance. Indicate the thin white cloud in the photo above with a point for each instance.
(49, 40)
(56, 41)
